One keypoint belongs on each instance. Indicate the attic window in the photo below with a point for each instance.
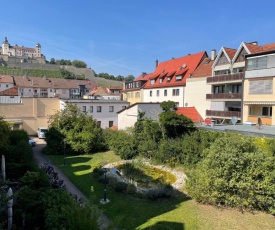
(179, 78)
(168, 79)
(152, 82)
(160, 80)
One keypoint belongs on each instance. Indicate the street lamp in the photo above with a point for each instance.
(64, 154)
(105, 188)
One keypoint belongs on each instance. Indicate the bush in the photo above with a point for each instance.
(121, 187)
(162, 192)
(131, 189)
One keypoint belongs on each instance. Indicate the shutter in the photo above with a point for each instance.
(260, 87)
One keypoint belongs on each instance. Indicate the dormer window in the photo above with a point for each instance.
(168, 79)
(178, 78)
(152, 82)
(160, 80)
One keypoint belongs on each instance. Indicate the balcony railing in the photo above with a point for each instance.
(225, 77)
(213, 113)
(224, 96)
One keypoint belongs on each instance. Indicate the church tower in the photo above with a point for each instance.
(38, 50)
(5, 46)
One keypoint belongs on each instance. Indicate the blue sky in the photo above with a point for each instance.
(126, 37)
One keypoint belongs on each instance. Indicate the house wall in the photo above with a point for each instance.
(154, 98)
(34, 112)
(195, 95)
(128, 117)
(5, 86)
(105, 115)
(133, 99)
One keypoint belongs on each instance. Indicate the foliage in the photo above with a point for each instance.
(127, 79)
(76, 129)
(4, 136)
(174, 125)
(164, 191)
(131, 189)
(121, 187)
(121, 142)
(235, 174)
(79, 64)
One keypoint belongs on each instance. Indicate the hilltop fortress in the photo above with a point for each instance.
(20, 54)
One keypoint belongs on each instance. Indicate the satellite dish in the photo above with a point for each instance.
(234, 120)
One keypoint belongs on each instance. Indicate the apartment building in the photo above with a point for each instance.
(259, 87)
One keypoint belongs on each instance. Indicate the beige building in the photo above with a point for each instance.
(259, 88)
(31, 113)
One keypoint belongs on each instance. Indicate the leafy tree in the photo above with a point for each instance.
(129, 78)
(119, 78)
(4, 136)
(174, 125)
(52, 61)
(78, 130)
(79, 64)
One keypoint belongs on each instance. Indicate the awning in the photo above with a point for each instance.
(260, 103)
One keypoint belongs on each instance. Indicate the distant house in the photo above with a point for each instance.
(6, 82)
(112, 93)
(10, 96)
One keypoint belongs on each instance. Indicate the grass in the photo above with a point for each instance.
(176, 213)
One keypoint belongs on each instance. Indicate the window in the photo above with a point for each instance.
(7, 86)
(137, 95)
(129, 95)
(267, 111)
(98, 109)
(91, 109)
(83, 108)
(260, 87)
(165, 92)
(178, 78)
(257, 63)
(111, 123)
(111, 108)
(160, 80)
(157, 93)
(168, 79)
(218, 89)
(98, 123)
(176, 92)
(152, 82)
(151, 93)
(236, 88)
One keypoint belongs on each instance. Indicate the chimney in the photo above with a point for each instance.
(254, 43)
(213, 54)
(143, 74)
(157, 63)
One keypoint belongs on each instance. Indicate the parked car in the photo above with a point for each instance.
(32, 142)
(41, 131)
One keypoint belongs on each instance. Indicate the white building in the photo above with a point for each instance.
(104, 111)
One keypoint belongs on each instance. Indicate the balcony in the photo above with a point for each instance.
(225, 78)
(213, 113)
(224, 96)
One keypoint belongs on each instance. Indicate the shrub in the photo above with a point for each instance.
(162, 192)
(121, 187)
(131, 189)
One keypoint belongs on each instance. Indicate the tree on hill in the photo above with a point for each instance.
(129, 78)
(79, 64)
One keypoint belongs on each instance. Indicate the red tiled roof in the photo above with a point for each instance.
(204, 69)
(144, 77)
(269, 47)
(10, 92)
(190, 112)
(183, 65)
(253, 48)
(6, 79)
(230, 52)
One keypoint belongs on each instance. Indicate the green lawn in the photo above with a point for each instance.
(175, 213)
